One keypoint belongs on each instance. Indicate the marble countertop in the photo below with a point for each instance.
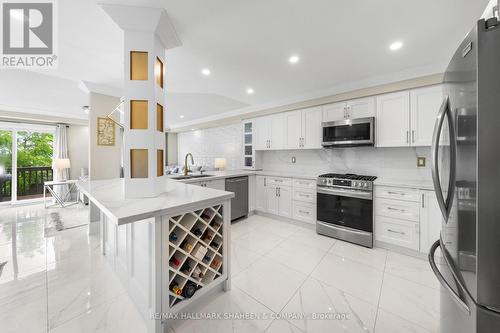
(236, 173)
(177, 198)
(424, 184)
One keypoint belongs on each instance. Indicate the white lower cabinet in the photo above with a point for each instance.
(406, 217)
(272, 200)
(273, 195)
(285, 201)
(217, 184)
(430, 220)
(397, 232)
(304, 211)
(251, 192)
(261, 193)
(304, 200)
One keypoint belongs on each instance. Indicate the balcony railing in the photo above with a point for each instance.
(29, 182)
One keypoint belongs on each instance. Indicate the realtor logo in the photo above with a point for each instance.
(28, 34)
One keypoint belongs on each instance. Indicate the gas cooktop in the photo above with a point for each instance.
(348, 176)
(348, 180)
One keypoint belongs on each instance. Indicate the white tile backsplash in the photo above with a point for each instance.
(382, 162)
(208, 144)
(227, 142)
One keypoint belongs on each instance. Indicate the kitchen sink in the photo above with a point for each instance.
(190, 177)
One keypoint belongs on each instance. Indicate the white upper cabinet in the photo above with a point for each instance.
(261, 131)
(407, 118)
(361, 108)
(276, 131)
(312, 132)
(425, 103)
(270, 132)
(334, 112)
(356, 108)
(393, 120)
(293, 129)
(303, 129)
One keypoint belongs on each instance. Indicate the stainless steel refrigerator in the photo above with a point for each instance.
(466, 174)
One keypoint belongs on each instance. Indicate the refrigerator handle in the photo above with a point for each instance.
(462, 305)
(444, 204)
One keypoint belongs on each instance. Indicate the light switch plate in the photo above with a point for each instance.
(420, 161)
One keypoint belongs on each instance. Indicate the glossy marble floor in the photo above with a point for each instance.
(285, 279)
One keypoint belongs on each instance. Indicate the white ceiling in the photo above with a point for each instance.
(247, 44)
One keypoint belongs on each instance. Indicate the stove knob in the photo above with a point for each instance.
(365, 184)
(354, 183)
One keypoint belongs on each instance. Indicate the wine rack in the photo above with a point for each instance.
(195, 251)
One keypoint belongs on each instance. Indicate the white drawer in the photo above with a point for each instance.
(398, 209)
(304, 183)
(303, 211)
(278, 181)
(397, 193)
(307, 195)
(397, 232)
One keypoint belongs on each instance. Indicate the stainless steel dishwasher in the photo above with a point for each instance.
(239, 204)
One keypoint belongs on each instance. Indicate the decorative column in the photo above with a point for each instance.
(148, 32)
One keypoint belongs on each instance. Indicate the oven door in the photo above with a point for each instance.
(351, 132)
(345, 208)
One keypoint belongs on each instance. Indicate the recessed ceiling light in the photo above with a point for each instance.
(294, 59)
(250, 91)
(396, 46)
(192, 129)
(205, 71)
(181, 116)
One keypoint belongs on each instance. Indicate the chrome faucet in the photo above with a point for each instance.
(186, 169)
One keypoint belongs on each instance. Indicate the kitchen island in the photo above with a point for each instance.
(168, 251)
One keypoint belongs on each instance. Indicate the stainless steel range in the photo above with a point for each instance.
(345, 207)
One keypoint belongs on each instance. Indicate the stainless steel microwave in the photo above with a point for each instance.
(349, 133)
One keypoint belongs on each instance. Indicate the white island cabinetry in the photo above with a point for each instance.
(168, 251)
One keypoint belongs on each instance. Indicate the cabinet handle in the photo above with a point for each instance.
(407, 136)
(396, 209)
(303, 212)
(396, 232)
(398, 193)
(279, 191)
(348, 109)
(276, 191)
(265, 182)
(423, 201)
(345, 112)
(413, 136)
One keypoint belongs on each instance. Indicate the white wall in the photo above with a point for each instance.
(104, 160)
(78, 147)
(208, 144)
(172, 149)
(382, 162)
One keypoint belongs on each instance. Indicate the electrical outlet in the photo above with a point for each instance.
(420, 161)
(294, 159)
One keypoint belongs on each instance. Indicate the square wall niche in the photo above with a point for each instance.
(138, 163)
(159, 117)
(159, 72)
(138, 114)
(138, 65)
(159, 163)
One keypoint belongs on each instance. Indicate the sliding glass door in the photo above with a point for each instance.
(6, 149)
(25, 160)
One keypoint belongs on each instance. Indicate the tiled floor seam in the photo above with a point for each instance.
(412, 281)
(380, 294)
(295, 292)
